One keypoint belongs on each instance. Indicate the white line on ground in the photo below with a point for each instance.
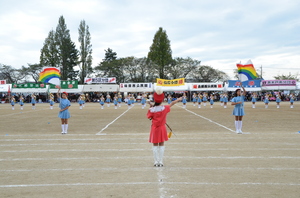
(151, 168)
(99, 133)
(146, 157)
(210, 120)
(147, 183)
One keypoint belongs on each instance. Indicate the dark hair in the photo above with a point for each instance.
(235, 93)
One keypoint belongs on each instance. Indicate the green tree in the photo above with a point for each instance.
(49, 53)
(160, 53)
(32, 71)
(208, 74)
(182, 67)
(10, 74)
(287, 77)
(110, 55)
(67, 51)
(85, 51)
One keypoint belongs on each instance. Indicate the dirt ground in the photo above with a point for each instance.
(106, 153)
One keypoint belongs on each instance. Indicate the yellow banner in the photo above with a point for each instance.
(170, 83)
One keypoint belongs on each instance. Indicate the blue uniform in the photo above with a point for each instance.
(51, 102)
(225, 99)
(204, 99)
(115, 101)
(21, 102)
(238, 108)
(129, 102)
(107, 99)
(63, 103)
(119, 100)
(278, 99)
(199, 100)
(211, 101)
(253, 99)
(12, 102)
(194, 99)
(221, 99)
(33, 100)
(292, 99)
(143, 101)
(80, 101)
(169, 100)
(266, 100)
(184, 100)
(102, 101)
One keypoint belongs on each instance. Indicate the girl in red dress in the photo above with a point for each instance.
(158, 135)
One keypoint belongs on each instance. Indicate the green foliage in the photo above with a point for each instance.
(182, 67)
(208, 74)
(287, 77)
(85, 51)
(67, 51)
(160, 53)
(110, 55)
(49, 53)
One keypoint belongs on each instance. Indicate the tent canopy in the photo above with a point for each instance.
(101, 88)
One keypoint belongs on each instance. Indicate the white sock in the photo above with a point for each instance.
(161, 154)
(21, 108)
(225, 106)
(155, 154)
(66, 128)
(211, 106)
(62, 128)
(199, 106)
(115, 107)
(236, 124)
(80, 107)
(240, 125)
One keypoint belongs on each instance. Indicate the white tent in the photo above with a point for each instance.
(100, 88)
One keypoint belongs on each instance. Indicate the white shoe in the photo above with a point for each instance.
(239, 132)
(62, 132)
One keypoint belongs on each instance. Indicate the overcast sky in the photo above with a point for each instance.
(219, 33)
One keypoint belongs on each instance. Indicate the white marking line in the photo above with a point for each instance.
(161, 178)
(210, 120)
(176, 169)
(23, 112)
(141, 149)
(99, 133)
(147, 183)
(134, 143)
(147, 157)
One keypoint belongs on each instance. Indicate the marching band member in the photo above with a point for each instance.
(292, 98)
(199, 100)
(21, 102)
(12, 102)
(64, 113)
(119, 99)
(194, 98)
(184, 100)
(221, 100)
(225, 100)
(108, 100)
(143, 100)
(266, 100)
(158, 135)
(254, 98)
(129, 101)
(278, 100)
(211, 100)
(204, 99)
(116, 101)
(33, 101)
(51, 100)
(238, 111)
(102, 100)
(80, 101)
(132, 100)
(169, 98)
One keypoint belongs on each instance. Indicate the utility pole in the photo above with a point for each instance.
(261, 71)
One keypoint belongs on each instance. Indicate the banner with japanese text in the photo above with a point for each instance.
(66, 84)
(100, 80)
(29, 86)
(246, 84)
(170, 83)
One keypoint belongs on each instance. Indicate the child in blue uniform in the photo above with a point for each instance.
(12, 102)
(64, 113)
(238, 111)
(199, 100)
(81, 101)
(33, 101)
(266, 101)
(278, 100)
(225, 100)
(254, 98)
(204, 99)
(51, 100)
(221, 100)
(292, 98)
(21, 102)
(120, 99)
(108, 100)
(102, 100)
(211, 98)
(194, 99)
(116, 101)
(143, 101)
(184, 100)
(169, 99)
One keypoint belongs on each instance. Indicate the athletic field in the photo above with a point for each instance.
(106, 153)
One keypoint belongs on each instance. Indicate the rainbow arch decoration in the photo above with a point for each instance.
(50, 75)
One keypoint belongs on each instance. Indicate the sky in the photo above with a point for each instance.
(218, 33)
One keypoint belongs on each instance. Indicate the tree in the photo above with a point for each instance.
(85, 51)
(287, 77)
(138, 70)
(49, 52)
(182, 67)
(67, 51)
(10, 74)
(33, 71)
(208, 74)
(110, 55)
(160, 52)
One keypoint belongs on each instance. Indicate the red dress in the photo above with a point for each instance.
(158, 132)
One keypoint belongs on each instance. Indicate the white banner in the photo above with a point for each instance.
(100, 80)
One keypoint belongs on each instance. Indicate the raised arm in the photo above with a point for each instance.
(58, 95)
(175, 101)
(244, 91)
